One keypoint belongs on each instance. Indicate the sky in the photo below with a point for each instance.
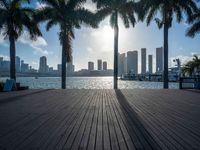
(92, 44)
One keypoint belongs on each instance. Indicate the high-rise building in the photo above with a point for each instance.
(24, 67)
(1, 60)
(125, 65)
(17, 63)
(50, 69)
(159, 59)
(90, 66)
(70, 69)
(99, 64)
(59, 68)
(5, 65)
(104, 65)
(150, 64)
(132, 62)
(143, 60)
(121, 64)
(43, 64)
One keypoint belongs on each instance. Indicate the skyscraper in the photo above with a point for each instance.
(5, 65)
(159, 59)
(121, 63)
(143, 60)
(43, 64)
(104, 65)
(1, 60)
(70, 69)
(17, 63)
(90, 66)
(59, 68)
(99, 63)
(150, 64)
(132, 62)
(24, 67)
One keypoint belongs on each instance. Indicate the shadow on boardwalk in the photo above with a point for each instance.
(15, 98)
(135, 125)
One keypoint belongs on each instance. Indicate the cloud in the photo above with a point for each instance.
(90, 6)
(5, 57)
(90, 50)
(40, 5)
(2, 41)
(39, 50)
(38, 45)
(195, 53)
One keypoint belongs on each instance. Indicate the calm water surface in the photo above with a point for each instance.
(87, 83)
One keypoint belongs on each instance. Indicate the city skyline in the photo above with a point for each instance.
(127, 63)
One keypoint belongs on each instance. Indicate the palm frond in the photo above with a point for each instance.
(194, 29)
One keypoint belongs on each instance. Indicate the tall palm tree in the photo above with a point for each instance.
(14, 18)
(115, 9)
(167, 9)
(195, 28)
(69, 15)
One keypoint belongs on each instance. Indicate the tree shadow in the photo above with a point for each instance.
(135, 124)
(15, 98)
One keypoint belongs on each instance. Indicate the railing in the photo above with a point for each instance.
(189, 82)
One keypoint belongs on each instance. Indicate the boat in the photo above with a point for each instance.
(128, 76)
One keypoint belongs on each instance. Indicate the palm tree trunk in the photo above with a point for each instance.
(12, 58)
(116, 37)
(166, 29)
(64, 60)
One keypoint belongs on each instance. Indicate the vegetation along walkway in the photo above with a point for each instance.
(100, 119)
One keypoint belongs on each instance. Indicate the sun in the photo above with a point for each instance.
(107, 33)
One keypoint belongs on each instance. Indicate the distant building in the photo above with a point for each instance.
(17, 63)
(150, 59)
(159, 59)
(43, 65)
(99, 64)
(24, 67)
(50, 69)
(121, 64)
(125, 65)
(59, 68)
(143, 60)
(70, 69)
(5, 65)
(1, 60)
(132, 62)
(105, 65)
(90, 66)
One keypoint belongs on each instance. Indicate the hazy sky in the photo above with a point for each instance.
(92, 44)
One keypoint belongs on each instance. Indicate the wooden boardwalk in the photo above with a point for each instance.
(100, 120)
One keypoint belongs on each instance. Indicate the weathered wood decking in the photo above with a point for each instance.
(100, 119)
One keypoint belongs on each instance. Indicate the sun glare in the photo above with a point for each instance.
(107, 33)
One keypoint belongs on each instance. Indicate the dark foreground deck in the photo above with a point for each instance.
(100, 119)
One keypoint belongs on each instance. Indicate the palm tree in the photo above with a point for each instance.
(115, 8)
(68, 14)
(195, 28)
(167, 9)
(190, 67)
(13, 19)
